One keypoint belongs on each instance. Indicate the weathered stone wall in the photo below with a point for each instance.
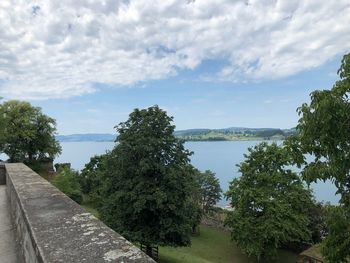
(2, 174)
(53, 228)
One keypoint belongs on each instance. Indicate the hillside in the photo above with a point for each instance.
(227, 134)
(234, 134)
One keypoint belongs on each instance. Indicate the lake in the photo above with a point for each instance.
(220, 157)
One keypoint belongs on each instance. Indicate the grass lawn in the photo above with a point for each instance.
(213, 245)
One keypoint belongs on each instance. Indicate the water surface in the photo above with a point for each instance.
(220, 157)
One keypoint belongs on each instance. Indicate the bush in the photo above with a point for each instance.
(66, 180)
(76, 196)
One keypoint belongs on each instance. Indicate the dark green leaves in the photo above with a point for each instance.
(210, 190)
(148, 182)
(269, 202)
(336, 246)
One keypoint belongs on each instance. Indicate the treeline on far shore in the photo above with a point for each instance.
(235, 134)
(227, 134)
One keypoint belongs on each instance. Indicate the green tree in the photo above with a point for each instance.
(26, 133)
(324, 136)
(147, 190)
(337, 244)
(66, 180)
(210, 190)
(195, 202)
(269, 202)
(91, 179)
(317, 224)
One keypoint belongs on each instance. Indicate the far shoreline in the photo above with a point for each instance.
(204, 140)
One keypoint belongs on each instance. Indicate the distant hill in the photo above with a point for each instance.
(227, 134)
(88, 137)
(234, 134)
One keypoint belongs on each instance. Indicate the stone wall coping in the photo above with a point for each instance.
(61, 230)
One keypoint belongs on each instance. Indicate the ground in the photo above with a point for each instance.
(213, 246)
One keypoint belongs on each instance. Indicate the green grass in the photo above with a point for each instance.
(91, 210)
(213, 245)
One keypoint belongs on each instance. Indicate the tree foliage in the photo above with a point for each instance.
(336, 247)
(317, 224)
(324, 135)
(269, 202)
(91, 179)
(66, 180)
(26, 134)
(147, 190)
(210, 190)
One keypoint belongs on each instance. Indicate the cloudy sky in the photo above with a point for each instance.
(209, 63)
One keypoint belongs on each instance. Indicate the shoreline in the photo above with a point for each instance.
(204, 140)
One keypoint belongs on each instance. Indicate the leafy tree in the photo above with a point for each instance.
(324, 135)
(194, 204)
(269, 202)
(336, 246)
(210, 190)
(91, 179)
(67, 181)
(147, 190)
(206, 192)
(317, 224)
(195, 214)
(26, 133)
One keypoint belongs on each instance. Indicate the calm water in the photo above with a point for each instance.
(220, 157)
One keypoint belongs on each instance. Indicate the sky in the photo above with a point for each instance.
(208, 63)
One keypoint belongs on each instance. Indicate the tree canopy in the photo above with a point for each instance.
(147, 190)
(269, 202)
(324, 133)
(26, 134)
(336, 246)
(91, 179)
(324, 136)
(66, 180)
(210, 190)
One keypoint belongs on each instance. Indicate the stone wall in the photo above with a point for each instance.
(53, 228)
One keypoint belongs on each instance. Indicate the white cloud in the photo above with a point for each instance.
(55, 49)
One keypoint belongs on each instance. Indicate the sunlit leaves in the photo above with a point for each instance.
(270, 202)
(26, 133)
